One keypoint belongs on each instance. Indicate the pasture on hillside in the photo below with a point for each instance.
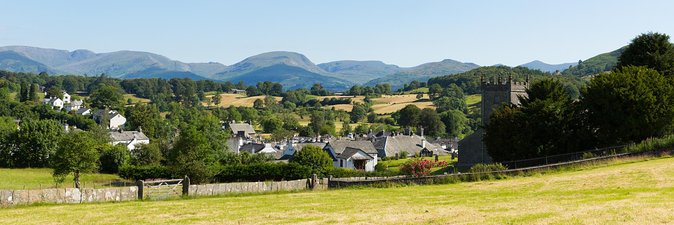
(634, 191)
(228, 99)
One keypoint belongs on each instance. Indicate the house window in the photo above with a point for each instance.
(341, 163)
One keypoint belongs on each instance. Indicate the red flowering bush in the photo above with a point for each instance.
(421, 167)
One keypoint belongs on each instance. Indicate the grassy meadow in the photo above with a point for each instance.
(637, 192)
(42, 178)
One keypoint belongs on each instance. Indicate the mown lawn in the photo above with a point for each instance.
(626, 192)
(42, 178)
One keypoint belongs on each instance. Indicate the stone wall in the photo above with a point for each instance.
(255, 187)
(67, 195)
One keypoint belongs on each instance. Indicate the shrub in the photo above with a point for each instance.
(315, 158)
(403, 155)
(144, 172)
(420, 167)
(487, 171)
(588, 155)
(113, 157)
(344, 172)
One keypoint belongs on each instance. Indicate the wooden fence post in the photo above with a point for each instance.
(186, 186)
(140, 184)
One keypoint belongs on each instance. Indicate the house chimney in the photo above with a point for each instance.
(422, 132)
(140, 129)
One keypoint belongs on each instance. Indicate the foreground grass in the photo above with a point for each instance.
(42, 178)
(625, 192)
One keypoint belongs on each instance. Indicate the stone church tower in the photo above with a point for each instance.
(495, 93)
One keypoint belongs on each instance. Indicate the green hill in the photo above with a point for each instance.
(470, 81)
(423, 72)
(600, 63)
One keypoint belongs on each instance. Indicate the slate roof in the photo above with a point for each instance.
(76, 103)
(352, 153)
(245, 127)
(390, 145)
(340, 145)
(251, 147)
(127, 136)
(82, 110)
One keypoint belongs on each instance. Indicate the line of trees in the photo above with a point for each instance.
(629, 104)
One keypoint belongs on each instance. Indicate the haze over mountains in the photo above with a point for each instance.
(291, 69)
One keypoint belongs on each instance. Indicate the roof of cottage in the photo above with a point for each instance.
(245, 127)
(127, 135)
(353, 154)
(340, 145)
(391, 145)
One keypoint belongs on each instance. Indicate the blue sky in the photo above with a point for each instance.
(406, 33)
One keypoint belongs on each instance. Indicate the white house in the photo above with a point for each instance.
(83, 111)
(358, 159)
(130, 139)
(55, 103)
(74, 105)
(349, 154)
(115, 119)
(66, 97)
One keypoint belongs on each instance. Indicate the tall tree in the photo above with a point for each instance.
(77, 153)
(629, 105)
(107, 97)
(36, 142)
(409, 116)
(431, 123)
(652, 50)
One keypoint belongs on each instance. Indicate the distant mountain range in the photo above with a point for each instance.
(551, 68)
(291, 69)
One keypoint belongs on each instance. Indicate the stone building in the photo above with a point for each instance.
(494, 94)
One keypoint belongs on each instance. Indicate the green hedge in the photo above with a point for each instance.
(262, 172)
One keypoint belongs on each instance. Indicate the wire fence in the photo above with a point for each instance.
(567, 157)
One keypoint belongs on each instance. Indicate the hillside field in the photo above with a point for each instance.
(636, 192)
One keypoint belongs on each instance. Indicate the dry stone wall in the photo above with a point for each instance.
(67, 195)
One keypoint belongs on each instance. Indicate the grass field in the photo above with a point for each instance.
(42, 178)
(624, 192)
(228, 99)
(392, 103)
(135, 99)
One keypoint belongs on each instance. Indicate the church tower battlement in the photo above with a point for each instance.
(497, 91)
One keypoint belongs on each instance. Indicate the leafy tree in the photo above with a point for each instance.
(547, 123)
(434, 91)
(113, 157)
(409, 116)
(217, 98)
(431, 123)
(145, 117)
(271, 124)
(629, 105)
(258, 104)
(52, 92)
(358, 112)
(107, 97)
(147, 155)
(456, 123)
(362, 128)
(317, 89)
(34, 89)
(450, 103)
(193, 156)
(652, 50)
(314, 157)
(346, 128)
(281, 134)
(76, 154)
(7, 131)
(36, 142)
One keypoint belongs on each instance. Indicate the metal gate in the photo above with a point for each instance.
(162, 189)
